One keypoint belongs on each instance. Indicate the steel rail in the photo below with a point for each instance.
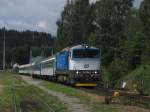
(43, 102)
(14, 98)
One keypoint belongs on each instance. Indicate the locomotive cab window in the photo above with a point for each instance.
(86, 53)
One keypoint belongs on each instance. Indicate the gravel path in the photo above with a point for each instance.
(73, 104)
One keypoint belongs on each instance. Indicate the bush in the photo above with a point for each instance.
(111, 76)
(142, 78)
(117, 70)
(105, 76)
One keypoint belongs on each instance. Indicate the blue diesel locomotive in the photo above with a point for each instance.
(78, 65)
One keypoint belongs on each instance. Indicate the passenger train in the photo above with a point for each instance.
(78, 65)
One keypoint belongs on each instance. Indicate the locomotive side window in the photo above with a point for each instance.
(86, 53)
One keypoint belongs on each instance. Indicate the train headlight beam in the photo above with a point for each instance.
(77, 72)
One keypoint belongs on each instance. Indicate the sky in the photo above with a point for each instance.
(36, 15)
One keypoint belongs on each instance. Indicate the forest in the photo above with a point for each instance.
(120, 30)
(19, 44)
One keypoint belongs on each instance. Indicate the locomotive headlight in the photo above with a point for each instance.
(77, 72)
(96, 72)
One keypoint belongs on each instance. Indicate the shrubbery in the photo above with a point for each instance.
(112, 75)
(141, 77)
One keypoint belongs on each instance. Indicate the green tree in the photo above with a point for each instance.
(144, 13)
(111, 19)
(75, 23)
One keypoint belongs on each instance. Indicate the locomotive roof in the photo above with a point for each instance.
(83, 47)
(78, 47)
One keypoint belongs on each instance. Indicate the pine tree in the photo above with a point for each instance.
(111, 19)
(145, 19)
(75, 23)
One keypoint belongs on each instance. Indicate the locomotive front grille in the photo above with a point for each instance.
(86, 74)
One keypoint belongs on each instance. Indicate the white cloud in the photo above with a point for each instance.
(42, 24)
(93, 1)
(38, 15)
(2, 23)
(31, 14)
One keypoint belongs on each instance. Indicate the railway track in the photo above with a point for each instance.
(23, 105)
(14, 103)
(126, 98)
(43, 101)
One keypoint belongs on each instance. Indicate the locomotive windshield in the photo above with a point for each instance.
(86, 53)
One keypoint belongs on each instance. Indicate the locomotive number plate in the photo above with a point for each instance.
(86, 66)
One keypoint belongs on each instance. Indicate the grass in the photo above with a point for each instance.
(28, 98)
(5, 92)
(6, 78)
(95, 106)
(33, 99)
(5, 100)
